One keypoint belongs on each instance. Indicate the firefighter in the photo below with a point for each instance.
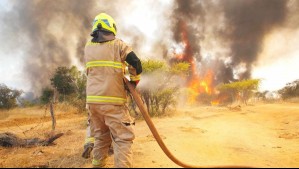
(106, 57)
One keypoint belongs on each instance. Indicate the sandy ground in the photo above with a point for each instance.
(261, 135)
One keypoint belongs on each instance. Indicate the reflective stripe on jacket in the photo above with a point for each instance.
(105, 64)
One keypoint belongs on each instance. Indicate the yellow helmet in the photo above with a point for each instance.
(105, 21)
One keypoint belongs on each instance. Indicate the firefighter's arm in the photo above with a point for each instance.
(134, 67)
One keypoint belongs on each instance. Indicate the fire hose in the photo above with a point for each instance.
(156, 135)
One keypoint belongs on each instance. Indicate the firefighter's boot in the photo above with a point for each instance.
(88, 147)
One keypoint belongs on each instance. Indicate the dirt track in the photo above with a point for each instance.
(264, 135)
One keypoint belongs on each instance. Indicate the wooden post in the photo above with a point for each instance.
(53, 116)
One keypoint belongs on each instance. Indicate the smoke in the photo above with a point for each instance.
(248, 22)
(227, 34)
(136, 37)
(49, 34)
(186, 27)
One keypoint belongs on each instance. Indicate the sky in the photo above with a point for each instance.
(141, 22)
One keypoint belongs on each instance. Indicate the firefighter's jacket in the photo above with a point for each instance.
(105, 64)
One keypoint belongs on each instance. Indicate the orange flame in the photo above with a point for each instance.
(199, 85)
(187, 55)
(215, 102)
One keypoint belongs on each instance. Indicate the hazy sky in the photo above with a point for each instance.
(277, 63)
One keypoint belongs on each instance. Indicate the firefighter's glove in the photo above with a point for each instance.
(134, 84)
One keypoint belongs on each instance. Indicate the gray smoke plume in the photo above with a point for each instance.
(49, 33)
(187, 18)
(239, 25)
(53, 33)
(247, 24)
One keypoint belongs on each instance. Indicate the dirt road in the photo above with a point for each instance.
(259, 136)
(263, 135)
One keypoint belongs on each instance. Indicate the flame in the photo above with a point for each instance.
(199, 85)
(215, 102)
(221, 98)
(187, 53)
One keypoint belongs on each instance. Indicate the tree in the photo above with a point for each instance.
(77, 99)
(167, 98)
(261, 95)
(180, 68)
(8, 97)
(63, 81)
(240, 90)
(291, 90)
(79, 81)
(47, 95)
(150, 66)
(71, 84)
(160, 92)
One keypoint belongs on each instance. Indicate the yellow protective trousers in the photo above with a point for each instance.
(112, 125)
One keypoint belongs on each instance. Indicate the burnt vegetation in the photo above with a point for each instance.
(11, 140)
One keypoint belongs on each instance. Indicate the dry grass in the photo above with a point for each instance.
(264, 135)
(23, 116)
(36, 122)
(36, 111)
(293, 100)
